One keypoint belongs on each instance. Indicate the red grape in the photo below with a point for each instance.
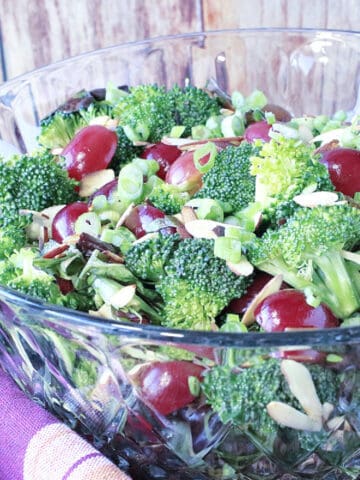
(90, 150)
(165, 155)
(240, 305)
(108, 189)
(63, 224)
(257, 130)
(184, 173)
(343, 165)
(140, 219)
(164, 385)
(288, 309)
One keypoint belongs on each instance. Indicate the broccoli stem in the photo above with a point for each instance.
(334, 282)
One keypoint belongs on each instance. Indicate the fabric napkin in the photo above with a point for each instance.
(34, 445)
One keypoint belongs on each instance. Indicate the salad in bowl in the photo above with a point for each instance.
(171, 259)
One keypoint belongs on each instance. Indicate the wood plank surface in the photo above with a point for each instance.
(37, 32)
(329, 14)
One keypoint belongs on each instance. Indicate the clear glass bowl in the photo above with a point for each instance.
(82, 368)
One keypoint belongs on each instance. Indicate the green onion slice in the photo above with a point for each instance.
(209, 149)
(228, 249)
(130, 183)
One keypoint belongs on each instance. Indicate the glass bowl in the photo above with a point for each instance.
(82, 368)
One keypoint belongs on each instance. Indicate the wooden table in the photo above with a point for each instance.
(37, 32)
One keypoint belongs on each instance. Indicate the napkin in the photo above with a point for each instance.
(34, 445)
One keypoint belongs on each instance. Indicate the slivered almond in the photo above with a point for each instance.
(302, 387)
(353, 257)
(316, 199)
(290, 417)
(95, 180)
(328, 408)
(188, 214)
(103, 312)
(202, 228)
(146, 237)
(243, 268)
(125, 215)
(123, 297)
(335, 423)
(41, 220)
(71, 239)
(272, 286)
(105, 121)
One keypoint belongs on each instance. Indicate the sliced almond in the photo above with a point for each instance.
(95, 180)
(328, 408)
(103, 312)
(290, 417)
(353, 257)
(316, 199)
(335, 423)
(71, 239)
(271, 287)
(146, 237)
(242, 269)
(105, 121)
(330, 136)
(125, 215)
(202, 228)
(302, 387)
(41, 220)
(123, 297)
(188, 214)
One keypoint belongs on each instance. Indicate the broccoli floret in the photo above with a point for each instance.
(12, 237)
(307, 251)
(145, 113)
(197, 285)
(58, 128)
(241, 396)
(229, 180)
(125, 151)
(32, 183)
(149, 112)
(18, 272)
(285, 168)
(192, 106)
(147, 259)
(166, 197)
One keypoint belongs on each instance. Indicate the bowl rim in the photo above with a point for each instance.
(340, 335)
(62, 315)
(164, 38)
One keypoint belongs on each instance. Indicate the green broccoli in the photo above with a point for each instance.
(125, 151)
(192, 106)
(149, 112)
(32, 183)
(197, 285)
(58, 128)
(240, 396)
(145, 113)
(285, 168)
(18, 272)
(147, 259)
(308, 251)
(167, 197)
(229, 180)
(12, 237)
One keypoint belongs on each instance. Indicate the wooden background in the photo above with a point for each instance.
(34, 33)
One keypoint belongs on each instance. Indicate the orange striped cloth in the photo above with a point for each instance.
(34, 445)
